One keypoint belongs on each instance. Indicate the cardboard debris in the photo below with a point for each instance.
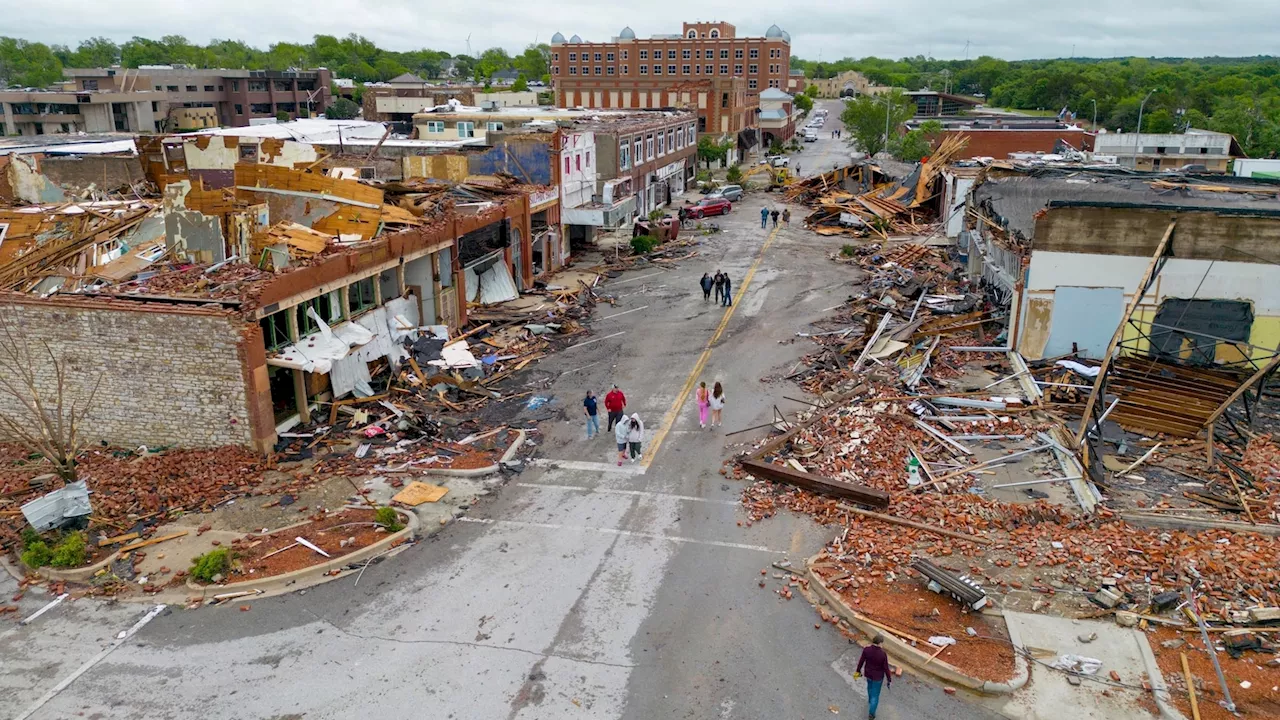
(417, 493)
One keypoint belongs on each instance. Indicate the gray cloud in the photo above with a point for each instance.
(1011, 29)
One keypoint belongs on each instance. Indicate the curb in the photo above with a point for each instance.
(488, 469)
(76, 575)
(916, 658)
(290, 581)
(1159, 689)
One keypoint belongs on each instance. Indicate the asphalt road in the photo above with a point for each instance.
(827, 153)
(580, 589)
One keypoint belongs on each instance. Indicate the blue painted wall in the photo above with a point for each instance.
(529, 161)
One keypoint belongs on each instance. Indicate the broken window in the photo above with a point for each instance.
(275, 330)
(361, 296)
(248, 152)
(327, 306)
(1191, 330)
(239, 109)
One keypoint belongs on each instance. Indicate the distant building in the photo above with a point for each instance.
(706, 69)
(998, 136)
(777, 117)
(931, 103)
(238, 96)
(1156, 152)
(43, 112)
(849, 82)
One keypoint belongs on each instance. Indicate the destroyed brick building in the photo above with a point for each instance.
(253, 286)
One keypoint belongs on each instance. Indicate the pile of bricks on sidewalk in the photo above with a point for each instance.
(1082, 560)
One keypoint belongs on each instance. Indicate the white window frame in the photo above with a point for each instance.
(754, 54)
(637, 151)
(684, 69)
(671, 54)
(435, 127)
(671, 141)
(648, 148)
(662, 144)
(737, 53)
(686, 54)
(573, 57)
(624, 155)
(609, 57)
(692, 34)
(752, 84)
(753, 69)
(711, 69)
(644, 69)
(644, 54)
(493, 126)
(724, 69)
(724, 54)
(715, 33)
(737, 69)
(680, 137)
(466, 129)
(657, 69)
(671, 69)
(573, 69)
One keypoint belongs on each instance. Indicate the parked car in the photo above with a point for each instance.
(810, 135)
(732, 193)
(708, 206)
(777, 161)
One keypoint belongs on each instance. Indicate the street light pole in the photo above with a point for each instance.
(1095, 115)
(1137, 137)
(886, 122)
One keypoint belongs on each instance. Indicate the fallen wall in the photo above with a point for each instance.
(169, 375)
(106, 173)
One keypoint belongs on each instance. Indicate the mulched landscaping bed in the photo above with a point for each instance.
(334, 533)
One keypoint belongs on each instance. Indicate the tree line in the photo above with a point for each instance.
(34, 64)
(1240, 96)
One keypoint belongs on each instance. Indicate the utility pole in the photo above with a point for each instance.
(886, 122)
(1137, 137)
(1095, 114)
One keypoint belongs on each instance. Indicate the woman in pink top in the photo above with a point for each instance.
(704, 403)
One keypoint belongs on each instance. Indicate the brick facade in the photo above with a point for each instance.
(999, 143)
(169, 375)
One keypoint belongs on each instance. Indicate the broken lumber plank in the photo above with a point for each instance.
(467, 334)
(117, 539)
(144, 543)
(1191, 686)
(913, 524)
(1170, 522)
(827, 486)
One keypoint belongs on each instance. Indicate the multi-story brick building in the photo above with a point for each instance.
(239, 96)
(706, 69)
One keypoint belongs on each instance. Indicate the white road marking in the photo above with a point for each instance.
(628, 469)
(120, 640)
(51, 605)
(615, 531)
(627, 312)
(624, 282)
(606, 337)
(636, 493)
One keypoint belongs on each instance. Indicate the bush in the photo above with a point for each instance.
(656, 214)
(703, 176)
(29, 536)
(734, 175)
(36, 554)
(214, 562)
(70, 552)
(776, 148)
(642, 244)
(848, 250)
(388, 518)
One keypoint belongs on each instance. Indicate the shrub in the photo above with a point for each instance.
(29, 536)
(70, 552)
(642, 244)
(703, 176)
(775, 148)
(656, 214)
(388, 518)
(36, 554)
(848, 250)
(734, 174)
(214, 562)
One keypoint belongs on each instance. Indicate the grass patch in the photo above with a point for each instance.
(388, 518)
(213, 563)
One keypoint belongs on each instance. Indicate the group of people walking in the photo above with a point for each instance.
(766, 213)
(722, 285)
(628, 432)
(836, 133)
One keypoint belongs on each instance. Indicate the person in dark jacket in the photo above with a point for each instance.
(728, 290)
(874, 664)
(718, 280)
(774, 215)
(706, 282)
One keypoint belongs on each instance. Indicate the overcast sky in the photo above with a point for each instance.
(1010, 29)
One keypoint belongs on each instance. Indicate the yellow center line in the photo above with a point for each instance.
(673, 413)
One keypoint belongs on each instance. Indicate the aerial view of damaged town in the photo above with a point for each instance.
(553, 362)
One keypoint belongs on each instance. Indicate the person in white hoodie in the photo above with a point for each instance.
(635, 435)
(620, 432)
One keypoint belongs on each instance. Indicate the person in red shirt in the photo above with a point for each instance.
(875, 662)
(616, 403)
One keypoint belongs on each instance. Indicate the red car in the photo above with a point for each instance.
(707, 207)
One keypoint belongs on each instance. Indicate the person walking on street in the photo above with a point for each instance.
(590, 408)
(635, 436)
(728, 290)
(620, 432)
(764, 217)
(718, 281)
(703, 396)
(716, 402)
(615, 403)
(876, 665)
(797, 169)
(774, 215)
(786, 217)
(706, 282)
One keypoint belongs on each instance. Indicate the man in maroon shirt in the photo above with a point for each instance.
(876, 665)
(615, 402)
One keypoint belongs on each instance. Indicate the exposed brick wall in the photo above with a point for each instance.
(170, 376)
(106, 172)
(999, 143)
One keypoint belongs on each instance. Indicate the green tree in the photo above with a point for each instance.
(520, 85)
(1158, 121)
(710, 151)
(734, 174)
(386, 68)
(534, 61)
(98, 52)
(911, 147)
(27, 64)
(490, 62)
(812, 91)
(803, 102)
(342, 109)
(867, 117)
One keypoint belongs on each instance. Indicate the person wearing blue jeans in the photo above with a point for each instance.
(764, 217)
(875, 662)
(589, 407)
